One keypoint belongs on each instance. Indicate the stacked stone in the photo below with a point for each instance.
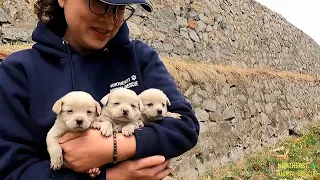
(17, 21)
(242, 33)
(240, 115)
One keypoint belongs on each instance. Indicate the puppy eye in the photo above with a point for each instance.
(70, 111)
(132, 105)
(116, 104)
(163, 104)
(89, 112)
(149, 104)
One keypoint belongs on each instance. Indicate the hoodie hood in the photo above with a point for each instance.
(49, 39)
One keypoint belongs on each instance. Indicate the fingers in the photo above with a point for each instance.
(149, 162)
(153, 171)
(70, 136)
(163, 174)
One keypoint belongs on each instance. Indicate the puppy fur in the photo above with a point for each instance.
(120, 112)
(155, 103)
(75, 112)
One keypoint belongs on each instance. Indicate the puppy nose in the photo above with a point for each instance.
(125, 112)
(79, 122)
(159, 112)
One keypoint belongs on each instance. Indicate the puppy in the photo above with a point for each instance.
(75, 112)
(155, 104)
(120, 112)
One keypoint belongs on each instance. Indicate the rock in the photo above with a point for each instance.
(147, 32)
(189, 91)
(167, 47)
(184, 33)
(201, 26)
(19, 13)
(197, 6)
(209, 28)
(189, 44)
(192, 23)
(193, 14)
(12, 9)
(215, 116)
(2, 16)
(201, 115)
(228, 113)
(159, 35)
(11, 33)
(134, 28)
(196, 99)
(210, 105)
(182, 21)
(194, 36)
(203, 18)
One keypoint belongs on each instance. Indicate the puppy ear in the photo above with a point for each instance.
(98, 108)
(56, 108)
(104, 100)
(168, 102)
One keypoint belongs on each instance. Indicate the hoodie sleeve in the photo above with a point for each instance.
(18, 158)
(169, 137)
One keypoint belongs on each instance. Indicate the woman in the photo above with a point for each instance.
(84, 45)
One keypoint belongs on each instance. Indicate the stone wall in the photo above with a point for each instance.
(241, 111)
(231, 32)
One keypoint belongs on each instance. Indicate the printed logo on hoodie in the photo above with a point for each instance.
(126, 83)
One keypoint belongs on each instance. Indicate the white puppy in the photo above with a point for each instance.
(75, 112)
(120, 112)
(155, 104)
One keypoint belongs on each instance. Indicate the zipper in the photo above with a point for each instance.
(70, 63)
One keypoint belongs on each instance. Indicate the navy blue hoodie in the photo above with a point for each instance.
(32, 80)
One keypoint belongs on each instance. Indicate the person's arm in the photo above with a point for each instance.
(18, 158)
(169, 137)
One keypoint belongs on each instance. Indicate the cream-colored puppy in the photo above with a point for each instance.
(155, 103)
(120, 112)
(75, 112)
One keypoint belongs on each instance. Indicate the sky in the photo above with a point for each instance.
(304, 14)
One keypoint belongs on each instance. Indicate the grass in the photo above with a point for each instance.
(8, 48)
(293, 158)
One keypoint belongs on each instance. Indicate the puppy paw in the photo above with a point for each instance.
(94, 172)
(140, 124)
(128, 129)
(106, 129)
(96, 125)
(56, 162)
(56, 156)
(174, 115)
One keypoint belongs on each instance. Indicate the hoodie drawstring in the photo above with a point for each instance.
(71, 63)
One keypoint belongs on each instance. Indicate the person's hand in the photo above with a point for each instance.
(83, 150)
(150, 168)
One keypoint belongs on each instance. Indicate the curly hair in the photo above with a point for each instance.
(46, 10)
